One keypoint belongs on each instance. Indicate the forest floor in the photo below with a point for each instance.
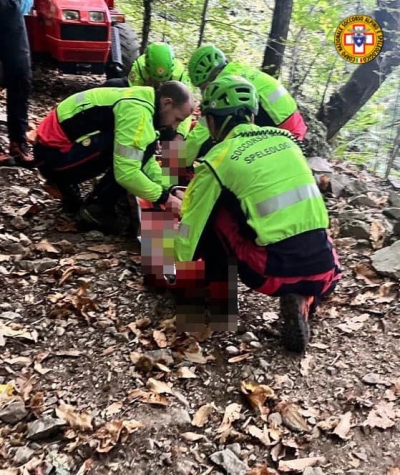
(94, 380)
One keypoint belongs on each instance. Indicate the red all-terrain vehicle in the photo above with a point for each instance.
(87, 36)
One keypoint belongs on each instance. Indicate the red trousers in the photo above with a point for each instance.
(306, 264)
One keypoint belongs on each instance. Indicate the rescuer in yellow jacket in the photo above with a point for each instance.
(112, 131)
(277, 107)
(157, 65)
(254, 199)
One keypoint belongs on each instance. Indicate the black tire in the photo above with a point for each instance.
(130, 50)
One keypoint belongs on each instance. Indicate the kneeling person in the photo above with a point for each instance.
(112, 131)
(254, 200)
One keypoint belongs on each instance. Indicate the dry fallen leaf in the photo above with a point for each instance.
(299, 465)
(261, 470)
(192, 436)
(111, 432)
(162, 367)
(19, 360)
(70, 353)
(39, 368)
(139, 325)
(353, 324)
(344, 426)
(382, 416)
(261, 435)
(202, 415)
(148, 397)
(6, 390)
(160, 338)
(195, 357)
(328, 424)
(74, 419)
(239, 358)
(24, 386)
(132, 425)
(15, 330)
(232, 414)
(159, 387)
(37, 403)
(168, 325)
(377, 234)
(387, 292)
(102, 248)
(113, 408)
(257, 394)
(45, 246)
(185, 373)
(108, 436)
(291, 417)
(366, 273)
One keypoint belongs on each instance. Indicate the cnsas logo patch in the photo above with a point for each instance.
(359, 39)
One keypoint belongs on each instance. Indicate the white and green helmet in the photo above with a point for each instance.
(204, 62)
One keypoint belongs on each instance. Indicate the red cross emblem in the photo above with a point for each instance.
(358, 38)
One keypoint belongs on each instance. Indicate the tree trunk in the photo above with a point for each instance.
(367, 78)
(393, 155)
(203, 23)
(275, 49)
(146, 25)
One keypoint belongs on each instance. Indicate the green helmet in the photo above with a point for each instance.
(159, 59)
(230, 95)
(204, 62)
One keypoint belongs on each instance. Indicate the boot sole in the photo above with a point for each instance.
(296, 331)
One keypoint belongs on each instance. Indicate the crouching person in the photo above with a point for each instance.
(253, 208)
(110, 131)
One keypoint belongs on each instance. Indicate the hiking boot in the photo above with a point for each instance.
(71, 199)
(20, 153)
(93, 216)
(295, 310)
(70, 196)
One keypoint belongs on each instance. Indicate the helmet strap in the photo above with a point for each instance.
(223, 126)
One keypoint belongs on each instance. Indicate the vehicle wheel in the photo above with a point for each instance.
(130, 50)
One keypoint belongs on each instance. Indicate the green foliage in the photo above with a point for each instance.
(370, 134)
(240, 28)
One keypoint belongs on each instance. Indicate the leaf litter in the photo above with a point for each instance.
(61, 326)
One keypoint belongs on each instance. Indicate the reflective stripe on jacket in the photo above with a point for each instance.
(267, 173)
(128, 112)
